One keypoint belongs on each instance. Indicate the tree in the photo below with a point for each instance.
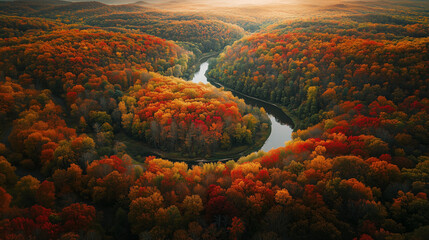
(26, 189)
(237, 228)
(192, 206)
(349, 167)
(225, 141)
(78, 217)
(168, 218)
(68, 180)
(283, 197)
(383, 173)
(45, 195)
(142, 211)
(411, 210)
(7, 173)
(5, 200)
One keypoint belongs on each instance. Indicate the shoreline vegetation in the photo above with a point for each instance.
(139, 150)
(245, 128)
(134, 147)
(201, 59)
(202, 120)
(294, 121)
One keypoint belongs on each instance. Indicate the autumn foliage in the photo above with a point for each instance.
(175, 115)
(84, 93)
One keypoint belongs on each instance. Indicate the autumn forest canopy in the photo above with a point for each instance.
(103, 135)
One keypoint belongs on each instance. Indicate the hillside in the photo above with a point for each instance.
(103, 136)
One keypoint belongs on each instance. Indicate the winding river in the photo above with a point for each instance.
(281, 131)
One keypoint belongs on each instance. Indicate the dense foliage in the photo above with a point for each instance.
(311, 66)
(205, 35)
(50, 55)
(195, 119)
(198, 32)
(357, 167)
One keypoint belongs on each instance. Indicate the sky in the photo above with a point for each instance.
(165, 1)
(231, 2)
(213, 2)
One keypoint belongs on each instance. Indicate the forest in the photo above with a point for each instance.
(104, 136)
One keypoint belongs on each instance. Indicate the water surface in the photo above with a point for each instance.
(281, 132)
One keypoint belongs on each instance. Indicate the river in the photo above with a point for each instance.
(281, 131)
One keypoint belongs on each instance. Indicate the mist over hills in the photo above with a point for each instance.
(192, 2)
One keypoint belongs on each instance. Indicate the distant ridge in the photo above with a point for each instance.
(71, 7)
(47, 2)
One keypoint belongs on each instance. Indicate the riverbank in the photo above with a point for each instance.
(203, 58)
(139, 150)
(294, 121)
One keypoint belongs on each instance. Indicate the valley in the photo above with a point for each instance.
(214, 120)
